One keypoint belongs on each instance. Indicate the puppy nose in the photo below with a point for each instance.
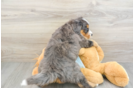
(91, 34)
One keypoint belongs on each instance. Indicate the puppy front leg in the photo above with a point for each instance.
(86, 43)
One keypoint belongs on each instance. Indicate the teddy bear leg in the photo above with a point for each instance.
(117, 80)
(93, 77)
(116, 74)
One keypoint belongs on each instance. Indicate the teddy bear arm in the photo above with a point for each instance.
(99, 50)
(100, 53)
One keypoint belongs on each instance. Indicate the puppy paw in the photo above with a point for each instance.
(24, 83)
(97, 85)
(90, 43)
(92, 84)
(95, 44)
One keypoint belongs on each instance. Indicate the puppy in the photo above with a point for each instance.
(61, 53)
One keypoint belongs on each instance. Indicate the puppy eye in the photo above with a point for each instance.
(86, 30)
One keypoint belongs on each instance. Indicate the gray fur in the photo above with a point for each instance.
(60, 55)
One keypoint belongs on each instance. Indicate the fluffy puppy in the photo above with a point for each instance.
(61, 52)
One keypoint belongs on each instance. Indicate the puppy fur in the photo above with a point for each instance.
(61, 52)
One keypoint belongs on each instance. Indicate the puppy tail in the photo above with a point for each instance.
(40, 79)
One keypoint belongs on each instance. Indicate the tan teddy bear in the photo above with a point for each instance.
(92, 57)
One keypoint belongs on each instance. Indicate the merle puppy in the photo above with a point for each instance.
(61, 53)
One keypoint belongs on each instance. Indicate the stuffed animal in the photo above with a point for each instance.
(114, 72)
(93, 71)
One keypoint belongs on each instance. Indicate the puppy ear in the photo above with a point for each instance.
(82, 51)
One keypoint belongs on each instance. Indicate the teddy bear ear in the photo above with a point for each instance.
(82, 51)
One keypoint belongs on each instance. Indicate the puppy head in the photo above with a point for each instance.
(81, 26)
